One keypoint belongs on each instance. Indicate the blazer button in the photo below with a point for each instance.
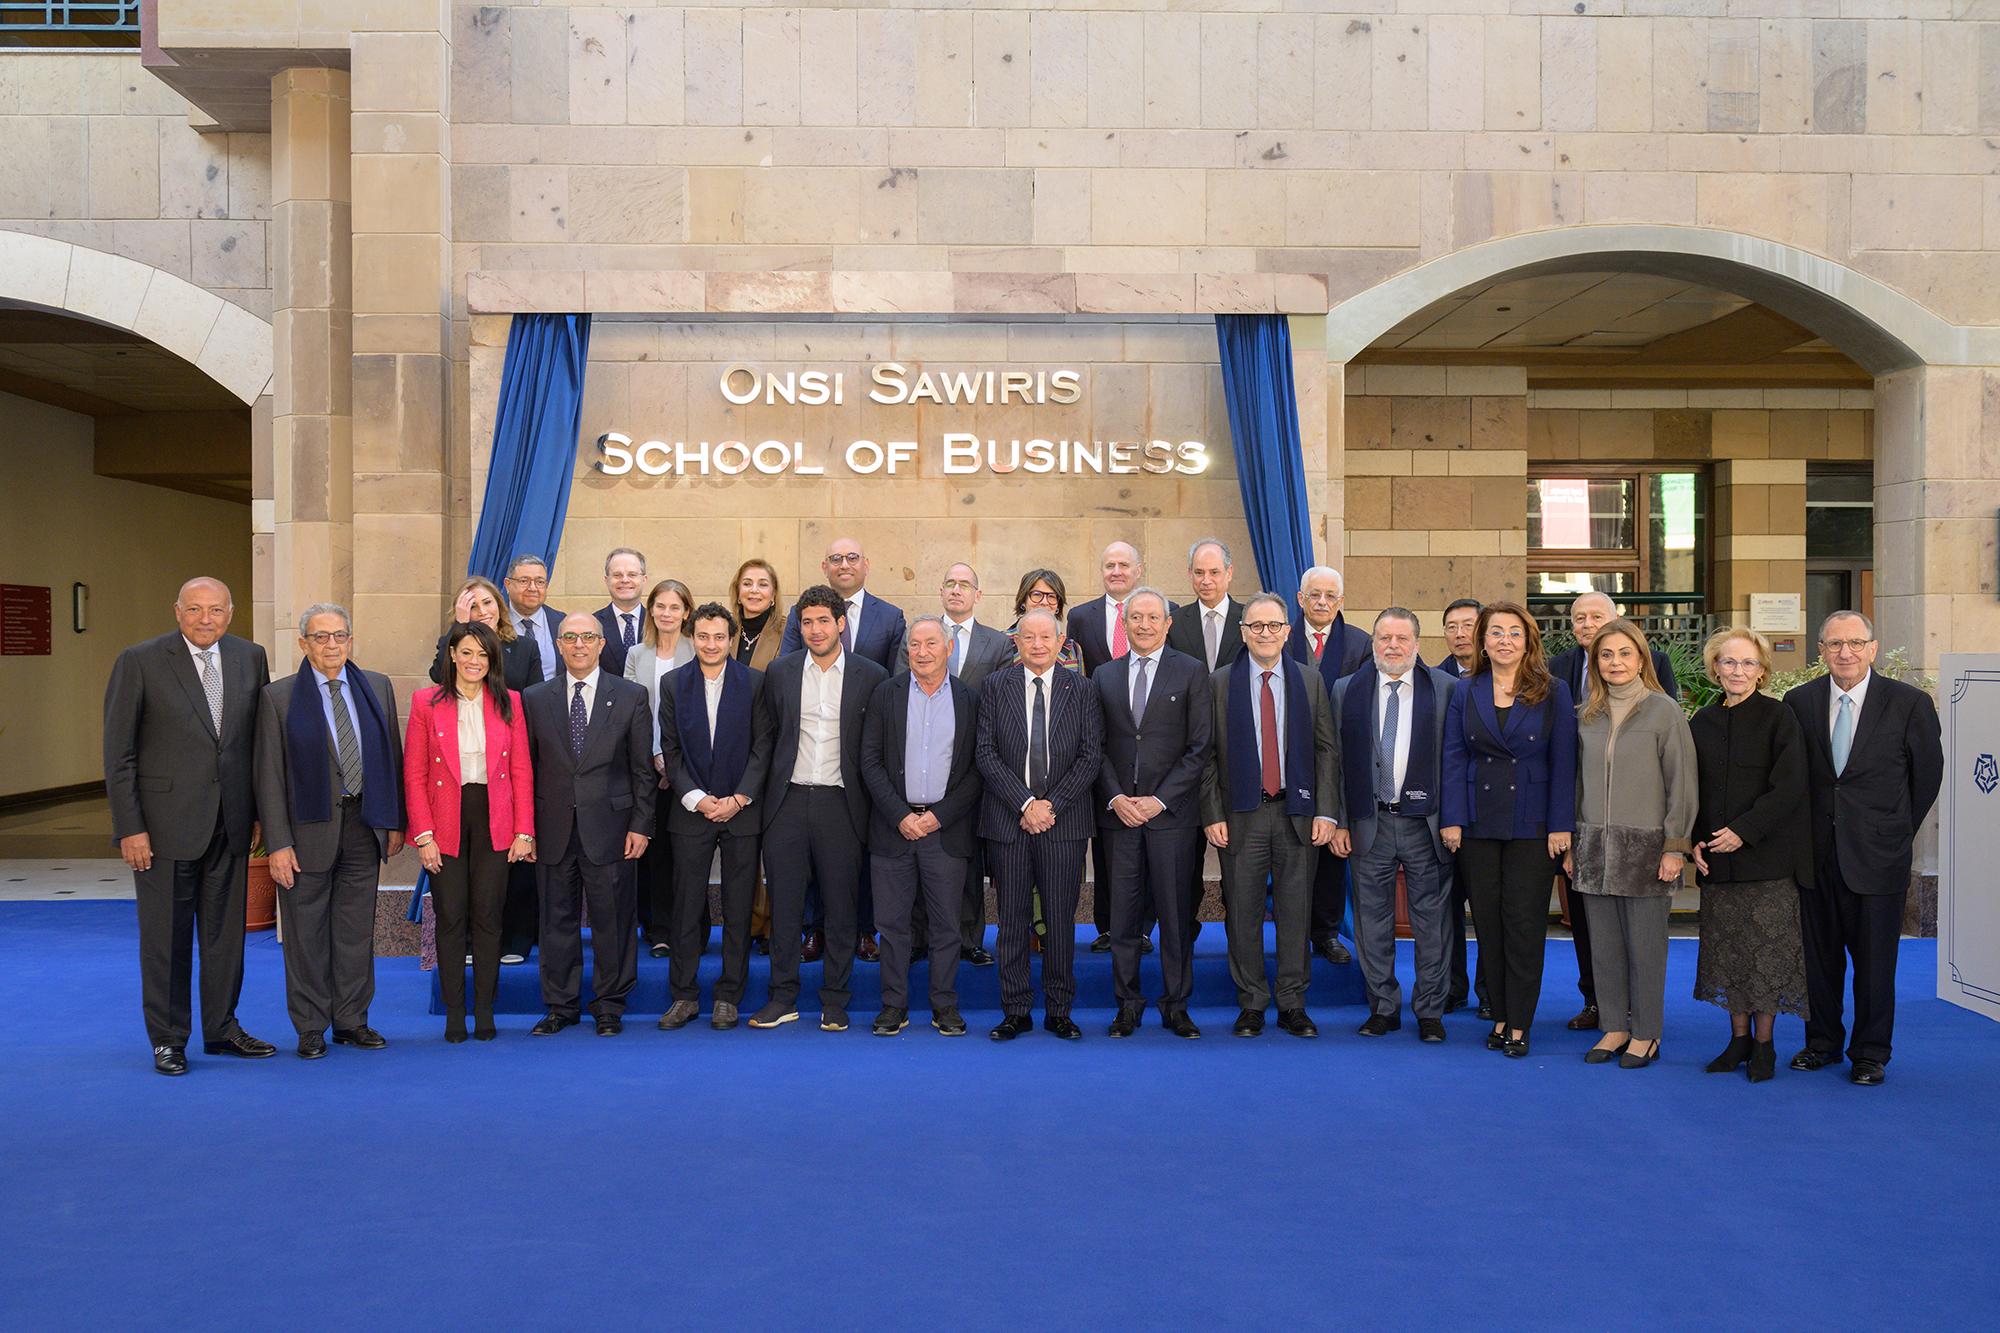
(1485, 786)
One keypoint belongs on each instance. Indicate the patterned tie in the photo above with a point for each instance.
(1385, 750)
(1843, 733)
(631, 635)
(1268, 727)
(1211, 633)
(534, 641)
(1319, 643)
(345, 748)
(1038, 744)
(579, 721)
(847, 629)
(211, 685)
(957, 642)
(1139, 691)
(1118, 644)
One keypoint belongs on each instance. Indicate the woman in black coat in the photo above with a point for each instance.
(1750, 852)
(479, 601)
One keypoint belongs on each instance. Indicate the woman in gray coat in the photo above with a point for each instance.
(1635, 808)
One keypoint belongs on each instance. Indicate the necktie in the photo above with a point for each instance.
(1319, 643)
(957, 642)
(1211, 633)
(1385, 751)
(1843, 733)
(345, 748)
(1038, 744)
(1118, 644)
(534, 640)
(1268, 741)
(1139, 690)
(630, 636)
(579, 721)
(211, 685)
(847, 629)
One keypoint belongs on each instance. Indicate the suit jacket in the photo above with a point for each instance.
(548, 623)
(1360, 741)
(608, 790)
(1162, 755)
(883, 740)
(1076, 744)
(167, 772)
(784, 691)
(612, 659)
(1326, 794)
(519, 666)
(316, 842)
(642, 667)
(1516, 781)
(1865, 819)
(1088, 629)
(986, 651)
(1569, 667)
(877, 638)
(1451, 668)
(433, 780)
(1345, 650)
(1184, 632)
(681, 780)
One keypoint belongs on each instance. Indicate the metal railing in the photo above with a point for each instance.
(57, 23)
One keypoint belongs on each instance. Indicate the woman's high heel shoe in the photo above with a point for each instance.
(1603, 1055)
(482, 1028)
(454, 1027)
(1763, 1062)
(1732, 1057)
(1516, 1047)
(1631, 1061)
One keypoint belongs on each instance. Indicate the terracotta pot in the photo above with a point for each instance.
(260, 904)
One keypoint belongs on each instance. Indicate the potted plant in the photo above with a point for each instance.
(260, 901)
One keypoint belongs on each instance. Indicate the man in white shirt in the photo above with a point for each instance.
(1210, 628)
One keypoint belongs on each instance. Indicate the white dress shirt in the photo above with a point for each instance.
(472, 738)
(1111, 614)
(1028, 679)
(569, 683)
(711, 688)
(959, 631)
(1833, 697)
(1257, 710)
(1152, 675)
(818, 762)
(1405, 698)
(855, 605)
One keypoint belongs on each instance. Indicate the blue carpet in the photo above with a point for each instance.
(704, 1179)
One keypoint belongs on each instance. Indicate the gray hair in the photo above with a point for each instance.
(1400, 613)
(1258, 599)
(324, 609)
(617, 551)
(1218, 544)
(1049, 616)
(1866, 623)
(1145, 591)
(928, 619)
(1339, 583)
(526, 558)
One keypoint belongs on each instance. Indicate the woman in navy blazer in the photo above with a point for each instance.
(1509, 808)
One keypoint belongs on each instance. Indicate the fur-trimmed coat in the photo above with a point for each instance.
(1635, 798)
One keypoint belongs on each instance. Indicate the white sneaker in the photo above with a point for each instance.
(510, 959)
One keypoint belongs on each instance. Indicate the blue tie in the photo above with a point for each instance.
(579, 721)
(1385, 753)
(630, 636)
(951, 663)
(1843, 733)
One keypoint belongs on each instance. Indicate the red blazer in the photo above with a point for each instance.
(431, 780)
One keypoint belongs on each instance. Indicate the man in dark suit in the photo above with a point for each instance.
(1270, 799)
(1040, 738)
(1874, 764)
(623, 619)
(590, 736)
(1098, 629)
(1392, 710)
(1321, 635)
(535, 621)
(874, 627)
(815, 804)
(917, 758)
(330, 792)
(1461, 638)
(1209, 628)
(180, 718)
(1157, 717)
(715, 744)
(1588, 614)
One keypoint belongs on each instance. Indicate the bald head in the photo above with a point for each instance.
(204, 608)
(845, 567)
(581, 639)
(1121, 569)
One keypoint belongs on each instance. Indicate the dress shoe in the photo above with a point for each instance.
(1763, 1062)
(484, 1031)
(1379, 1025)
(1296, 1022)
(659, 951)
(1061, 1025)
(1180, 1025)
(978, 957)
(722, 1016)
(1585, 1020)
(1867, 1073)
(454, 1028)
(312, 1046)
(1332, 950)
(1486, 1011)
(775, 1014)
(1496, 1040)
(1127, 1021)
(1012, 1026)
(609, 1025)
(1631, 1061)
(1430, 1029)
(241, 1045)
(513, 959)
(833, 1020)
(889, 1022)
(811, 947)
(866, 950)
(949, 1023)
(170, 1060)
(1453, 1004)
(1249, 1023)
(363, 1038)
(1732, 1057)
(1810, 1059)
(1604, 1055)
(1516, 1048)
(1102, 944)
(551, 1024)
(679, 1014)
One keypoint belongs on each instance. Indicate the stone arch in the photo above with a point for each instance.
(223, 340)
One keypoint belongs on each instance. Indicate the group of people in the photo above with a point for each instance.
(859, 772)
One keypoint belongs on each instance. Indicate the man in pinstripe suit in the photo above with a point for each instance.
(1040, 737)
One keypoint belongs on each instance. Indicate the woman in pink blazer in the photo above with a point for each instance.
(470, 795)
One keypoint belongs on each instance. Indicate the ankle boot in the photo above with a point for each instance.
(1732, 1057)
(1763, 1061)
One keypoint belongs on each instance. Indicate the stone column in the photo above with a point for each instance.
(312, 496)
(1759, 521)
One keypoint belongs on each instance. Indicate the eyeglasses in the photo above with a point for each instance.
(1738, 664)
(588, 636)
(1505, 635)
(1322, 597)
(1844, 645)
(1044, 595)
(959, 585)
(527, 581)
(1264, 626)
(326, 636)
(847, 558)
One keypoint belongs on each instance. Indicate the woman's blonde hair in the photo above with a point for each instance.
(505, 626)
(649, 634)
(1712, 650)
(1597, 699)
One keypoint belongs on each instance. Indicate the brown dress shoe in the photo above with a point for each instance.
(866, 951)
(810, 947)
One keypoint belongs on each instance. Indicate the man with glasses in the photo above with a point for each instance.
(330, 792)
(623, 620)
(1461, 637)
(1874, 763)
(1270, 799)
(1321, 635)
(874, 627)
(537, 621)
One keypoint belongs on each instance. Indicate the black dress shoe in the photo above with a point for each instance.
(1810, 1059)
(661, 950)
(1867, 1073)
(1127, 1021)
(1430, 1029)
(1379, 1025)
(978, 957)
(889, 1022)
(362, 1038)
(949, 1023)
(241, 1045)
(454, 1028)
(609, 1025)
(1180, 1025)
(1763, 1062)
(1296, 1022)
(1102, 944)
(1332, 950)
(1496, 1040)
(1452, 1006)
(551, 1024)
(1249, 1022)
(312, 1046)
(1585, 1020)
(1060, 1025)
(483, 1029)
(170, 1060)
(1516, 1048)
(1012, 1026)
(1486, 1011)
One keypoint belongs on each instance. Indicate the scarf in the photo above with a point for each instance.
(717, 761)
(309, 751)
(1357, 739)
(1246, 773)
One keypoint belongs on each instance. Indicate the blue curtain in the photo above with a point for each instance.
(1270, 463)
(534, 442)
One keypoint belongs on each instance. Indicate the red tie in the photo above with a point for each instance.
(1118, 630)
(1319, 643)
(1273, 785)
